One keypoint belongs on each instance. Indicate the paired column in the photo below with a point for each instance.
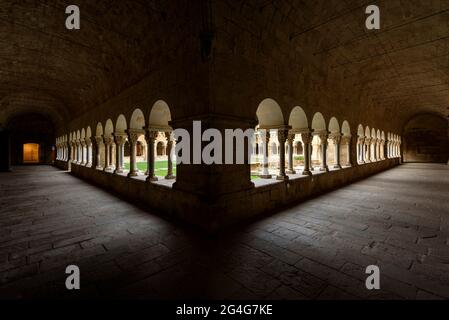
(323, 137)
(133, 136)
(336, 139)
(265, 173)
(169, 175)
(282, 138)
(119, 152)
(150, 138)
(290, 139)
(367, 150)
(361, 147)
(346, 141)
(88, 152)
(83, 152)
(99, 141)
(107, 140)
(306, 138)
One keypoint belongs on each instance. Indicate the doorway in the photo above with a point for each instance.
(31, 153)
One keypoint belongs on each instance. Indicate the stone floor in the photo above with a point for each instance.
(398, 220)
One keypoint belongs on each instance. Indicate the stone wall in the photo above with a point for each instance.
(214, 213)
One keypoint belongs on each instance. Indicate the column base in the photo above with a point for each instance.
(265, 176)
(326, 169)
(169, 177)
(151, 179)
(99, 167)
(337, 166)
(282, 178)
(117, 171)
(89, 165)
(290, 172)
(306, 173)
(348, 165)
(132, 174)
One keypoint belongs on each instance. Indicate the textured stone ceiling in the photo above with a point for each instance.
(403, 67)
(45, 67)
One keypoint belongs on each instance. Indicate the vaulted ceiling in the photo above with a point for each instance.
(402, 68)
(45, 67)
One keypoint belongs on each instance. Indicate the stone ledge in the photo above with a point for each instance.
(214, 213)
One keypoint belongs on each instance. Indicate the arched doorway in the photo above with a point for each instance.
(30, 153)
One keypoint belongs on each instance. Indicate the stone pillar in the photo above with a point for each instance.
(367, 150)
(107, 140)
(169, 175)
(88, 152)
(290, 139)
(133, 136)
(346, 141)
(282, 137)
(99, 141)
(265, 173)
(336, 139)
(77, 152)
(306, 138)
(83, 153)
(150, 138)
(323, 137)
(119, 145)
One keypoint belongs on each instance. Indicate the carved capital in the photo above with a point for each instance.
(291, 137)
(133, 135)
(306, 137)
(119, 138)
(151, 135)
(282, 135)
(336, 138)
(98, 140)
(323, 137)
(107, 140)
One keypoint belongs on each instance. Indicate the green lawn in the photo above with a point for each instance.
(160, 168)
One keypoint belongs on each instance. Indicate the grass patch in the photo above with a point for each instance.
(160, 168)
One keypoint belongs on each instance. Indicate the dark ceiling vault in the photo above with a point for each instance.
(403, 68)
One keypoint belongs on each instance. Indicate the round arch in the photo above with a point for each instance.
(137, 120)
(160, 115)
(298, 119)
(109, 128)
(318, 122)
(120, 124)
(269, 114)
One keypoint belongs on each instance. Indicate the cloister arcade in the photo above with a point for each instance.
(118, 148)
(281, 150)
(300, 148)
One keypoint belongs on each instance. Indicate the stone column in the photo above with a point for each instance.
(119, 145)
(367, 150)
(83, 153)
(150, 138)
(169, 175)
(282, 137)
(77, 152)
(107, 140)
(133, 136)
(336, 139)
(265, 173)
(306, 138)
(346, 141)
(88, 152)
(323, 137)
(361, 143)
(290, 139)
(99, 141)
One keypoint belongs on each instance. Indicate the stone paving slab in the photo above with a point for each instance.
(398, 220)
